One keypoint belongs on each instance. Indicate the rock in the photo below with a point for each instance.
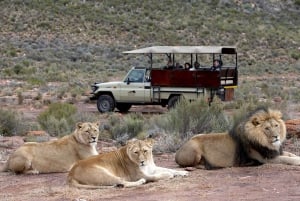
(293, 128)
(11, 142)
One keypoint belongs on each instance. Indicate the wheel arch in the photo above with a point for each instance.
(175, 94)
(105, 93)
(173, 99)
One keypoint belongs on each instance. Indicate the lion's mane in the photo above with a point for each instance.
(248, 134)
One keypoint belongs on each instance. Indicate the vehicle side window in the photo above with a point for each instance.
(136, 75)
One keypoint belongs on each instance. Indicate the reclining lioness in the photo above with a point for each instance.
(57, 155)
(129, 166)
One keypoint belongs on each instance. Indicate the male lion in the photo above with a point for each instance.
(255, 140)
(57, 155)
(129, 166)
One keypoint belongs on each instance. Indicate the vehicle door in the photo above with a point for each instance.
(135, 87)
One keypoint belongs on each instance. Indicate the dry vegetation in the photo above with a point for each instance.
(51, 51)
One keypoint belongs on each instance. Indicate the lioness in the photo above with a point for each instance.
(129, 166)
(255, 140)
(57, 155)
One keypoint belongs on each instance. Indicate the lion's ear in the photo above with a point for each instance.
(79, 124)
(97, 123)
(150, 141)
(276, 114)
(255, 121)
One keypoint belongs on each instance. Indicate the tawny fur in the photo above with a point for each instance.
(129, 166)
(255, 140)
(57, 155)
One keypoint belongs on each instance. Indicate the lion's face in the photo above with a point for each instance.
(140, 151)
(271, 130)
(266, 128)
(87, 133)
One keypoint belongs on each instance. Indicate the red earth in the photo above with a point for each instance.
(266, 182)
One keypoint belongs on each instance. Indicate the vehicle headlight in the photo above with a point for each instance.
(94, 87)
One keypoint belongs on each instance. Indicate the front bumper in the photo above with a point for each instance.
(94, 88)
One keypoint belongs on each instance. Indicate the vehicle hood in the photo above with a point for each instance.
(108, 84)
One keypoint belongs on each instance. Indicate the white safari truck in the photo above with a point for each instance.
(172, 73)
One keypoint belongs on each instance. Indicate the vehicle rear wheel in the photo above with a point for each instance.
(173, 101)
(105, 103)
(123, 107)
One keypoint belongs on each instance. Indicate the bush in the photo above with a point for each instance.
(134, 124)
(123, 128)
(86, 117)
(297, 2)
(58, 119)
(11, 123)
(191, 118)
(186, 120)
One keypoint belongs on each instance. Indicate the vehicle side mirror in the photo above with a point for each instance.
(128, 80)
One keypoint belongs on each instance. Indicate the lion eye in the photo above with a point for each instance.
(145, 151)
(136, 152)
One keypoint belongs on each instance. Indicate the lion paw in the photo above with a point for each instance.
(142, 181)
(33, 172)
(182, 173)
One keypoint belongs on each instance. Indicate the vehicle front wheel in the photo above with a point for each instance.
(173, 101)
(105, 103)
(123, 107)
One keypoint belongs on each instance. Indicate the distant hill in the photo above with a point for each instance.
(43, 41)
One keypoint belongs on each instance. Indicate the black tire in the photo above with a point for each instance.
(173, 101)
(105, 103)
(123, 107)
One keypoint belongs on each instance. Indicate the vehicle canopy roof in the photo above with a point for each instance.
(184, 50)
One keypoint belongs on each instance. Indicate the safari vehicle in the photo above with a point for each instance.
(157, 84)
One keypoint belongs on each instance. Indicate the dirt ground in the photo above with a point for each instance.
(266, 182)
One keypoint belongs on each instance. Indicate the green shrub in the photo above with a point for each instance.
(186, 120)
(13, 53)
(20, 98)
(191, 118)
(57, 127)
(86, 117)
(11, 123)
(134, 124)
(295, 55)
(297, 2)
(122, 128)
(58, 119)
(18, 69)
(209, 119)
